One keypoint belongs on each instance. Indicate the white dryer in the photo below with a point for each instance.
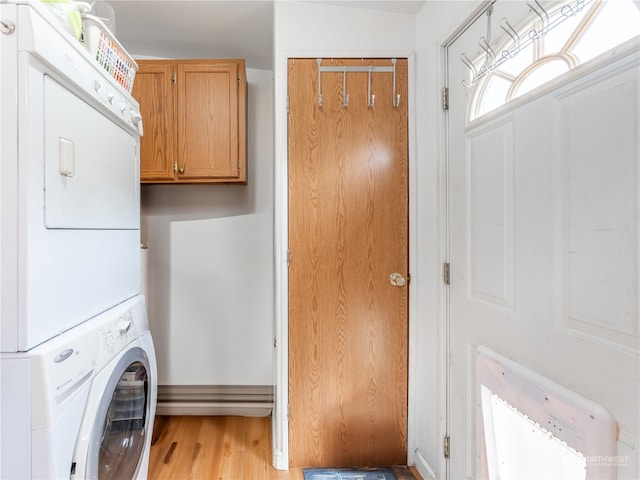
(69, 144)
(82, 405)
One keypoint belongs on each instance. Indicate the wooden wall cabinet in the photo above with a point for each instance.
(194, 117)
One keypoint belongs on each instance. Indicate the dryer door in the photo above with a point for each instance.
(121, 426)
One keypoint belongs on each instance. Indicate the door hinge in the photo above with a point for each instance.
(173, 77)
(446, 274)
(446, 447)
(287, 104)
(445, 98)
(175, 166)
(275, 342)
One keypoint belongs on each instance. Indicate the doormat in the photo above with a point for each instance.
(362, 473)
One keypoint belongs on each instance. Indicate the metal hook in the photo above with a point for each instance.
(569, 11)
(395, 99)
(544, 18)
(490, 53)
(370, 97)
(472, 67)
(345, 95)
(319, 60)
(513, 51)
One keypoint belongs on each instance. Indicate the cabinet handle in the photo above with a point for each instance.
(176, 169)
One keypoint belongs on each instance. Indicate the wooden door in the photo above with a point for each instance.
(153, 89)
(348, 233)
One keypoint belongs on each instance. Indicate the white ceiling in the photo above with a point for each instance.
(214, 28)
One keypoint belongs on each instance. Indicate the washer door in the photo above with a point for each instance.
(121, 425)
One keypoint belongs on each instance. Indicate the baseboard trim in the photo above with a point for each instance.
(423, 466)
(242, 400)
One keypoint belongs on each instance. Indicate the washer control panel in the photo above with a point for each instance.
(61, 369)
(114, 336)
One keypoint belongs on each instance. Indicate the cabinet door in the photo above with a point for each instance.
(153, 89)
(209, 146)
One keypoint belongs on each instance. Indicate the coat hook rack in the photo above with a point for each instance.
(366, 69)
(567, 11)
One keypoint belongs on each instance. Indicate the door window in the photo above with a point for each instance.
(549, 45)
(123, 434)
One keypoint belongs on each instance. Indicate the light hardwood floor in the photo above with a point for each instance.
(215, 448)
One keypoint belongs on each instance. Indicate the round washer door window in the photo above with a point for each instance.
(124, 431)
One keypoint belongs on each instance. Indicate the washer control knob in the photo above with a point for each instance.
(124, 325)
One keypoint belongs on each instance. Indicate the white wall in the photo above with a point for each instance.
(210, 266)
(304, 29)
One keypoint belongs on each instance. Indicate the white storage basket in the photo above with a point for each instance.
(108, 52)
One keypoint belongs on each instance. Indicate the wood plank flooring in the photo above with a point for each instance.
(215, 448)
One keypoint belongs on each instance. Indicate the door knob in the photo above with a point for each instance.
(397, 280)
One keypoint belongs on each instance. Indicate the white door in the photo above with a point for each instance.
(543, 228)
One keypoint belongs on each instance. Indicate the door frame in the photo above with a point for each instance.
(280, 423)
(458, 28)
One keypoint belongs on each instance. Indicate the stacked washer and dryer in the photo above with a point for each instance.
(77, 363)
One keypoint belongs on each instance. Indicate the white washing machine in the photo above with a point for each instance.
(82, 404)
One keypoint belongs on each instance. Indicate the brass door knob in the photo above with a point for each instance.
(397, 280)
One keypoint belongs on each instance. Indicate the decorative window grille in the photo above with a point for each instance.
(552, 44)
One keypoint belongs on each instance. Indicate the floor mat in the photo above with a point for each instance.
(392, 473)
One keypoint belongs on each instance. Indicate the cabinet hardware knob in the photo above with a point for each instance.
(181, 170)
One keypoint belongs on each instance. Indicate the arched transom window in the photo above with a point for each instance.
(552, 44)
